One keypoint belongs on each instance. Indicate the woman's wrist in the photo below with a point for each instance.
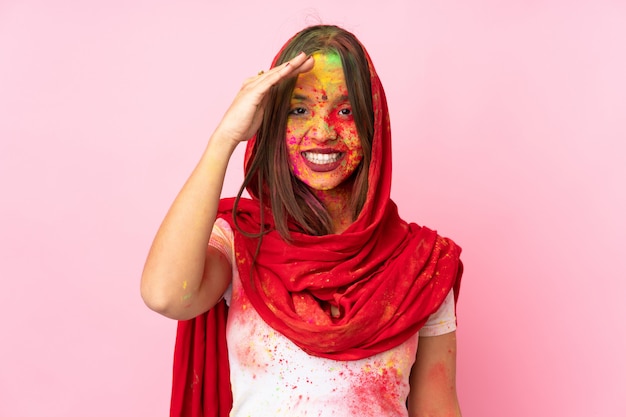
(221, 145)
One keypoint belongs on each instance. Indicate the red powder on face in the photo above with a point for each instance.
(321, 123)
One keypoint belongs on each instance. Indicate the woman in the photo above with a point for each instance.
(330, 293)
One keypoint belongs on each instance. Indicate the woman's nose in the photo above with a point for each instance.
(322, 131)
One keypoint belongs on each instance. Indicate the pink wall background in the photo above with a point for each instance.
(509, 127)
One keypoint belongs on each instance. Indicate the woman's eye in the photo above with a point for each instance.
(345, 112)
(298, 111)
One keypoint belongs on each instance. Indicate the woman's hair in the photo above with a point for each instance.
(268, 174)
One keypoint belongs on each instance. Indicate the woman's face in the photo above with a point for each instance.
(323, 146)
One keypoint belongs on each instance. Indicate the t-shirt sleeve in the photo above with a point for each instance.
(223, 239)
(441, 321)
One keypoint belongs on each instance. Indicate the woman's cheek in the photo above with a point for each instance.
(345, 128)
(290, 137)
(349, 134)
(291, 141)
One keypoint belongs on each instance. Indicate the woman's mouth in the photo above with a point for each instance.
(322, 162)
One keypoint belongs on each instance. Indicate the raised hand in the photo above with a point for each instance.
(181, 278)
(243, 117)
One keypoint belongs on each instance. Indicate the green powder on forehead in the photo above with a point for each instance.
(333, 58)
(330, 58)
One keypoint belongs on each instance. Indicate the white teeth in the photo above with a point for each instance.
(321, 158)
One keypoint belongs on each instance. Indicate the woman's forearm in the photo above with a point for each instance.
(175, 265)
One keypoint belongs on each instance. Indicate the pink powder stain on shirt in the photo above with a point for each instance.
(377, 393)
(251, 354)
(378, 389)
(254, 354)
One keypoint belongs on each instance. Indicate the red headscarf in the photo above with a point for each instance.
(386, 276)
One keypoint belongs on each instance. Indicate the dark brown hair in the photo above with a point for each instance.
(268, 174)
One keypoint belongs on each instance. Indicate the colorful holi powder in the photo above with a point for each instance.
(270, 372)
(438, 375)
(274, 373)
(322, 140)
(382, 383)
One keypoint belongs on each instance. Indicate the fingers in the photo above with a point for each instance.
(301, 63)
(258, 86)
(243, 117)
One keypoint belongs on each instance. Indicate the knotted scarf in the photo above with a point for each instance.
(385, 276)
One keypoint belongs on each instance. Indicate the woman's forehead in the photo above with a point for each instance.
(326, 75)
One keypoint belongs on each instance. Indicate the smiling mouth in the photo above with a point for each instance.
(322, 158)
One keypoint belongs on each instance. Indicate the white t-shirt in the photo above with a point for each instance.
(271, 376)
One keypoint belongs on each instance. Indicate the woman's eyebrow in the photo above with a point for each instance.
(300, 97)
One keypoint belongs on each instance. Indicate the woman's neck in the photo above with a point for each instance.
(337, 203)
